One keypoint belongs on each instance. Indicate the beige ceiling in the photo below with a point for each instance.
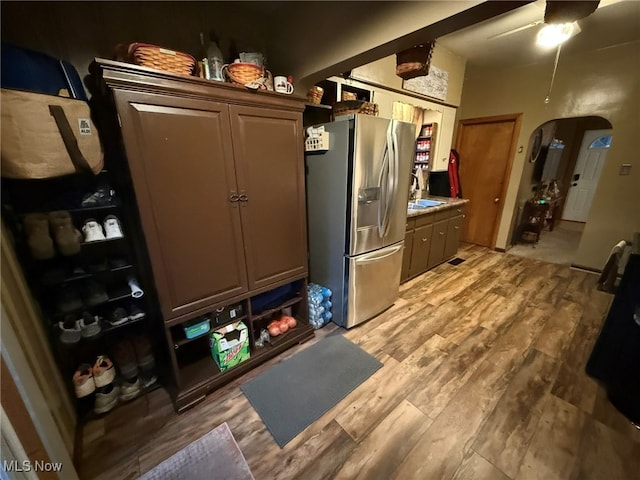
(614, 22)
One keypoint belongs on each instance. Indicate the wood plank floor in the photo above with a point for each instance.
(483, 378)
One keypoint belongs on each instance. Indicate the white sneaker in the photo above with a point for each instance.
(129, 389)
(112, 227)
(92, 231)
(106, 399)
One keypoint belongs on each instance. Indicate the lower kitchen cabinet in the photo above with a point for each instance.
(422, 241)
(406, 259)
(438, 243)
(431, 239)
(454, 232)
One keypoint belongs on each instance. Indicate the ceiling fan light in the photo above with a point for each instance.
(553, 35)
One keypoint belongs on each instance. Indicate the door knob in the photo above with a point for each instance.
(496, 200)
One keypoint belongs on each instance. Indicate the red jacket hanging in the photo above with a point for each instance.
(454, 181)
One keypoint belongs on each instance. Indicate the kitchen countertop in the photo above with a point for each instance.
(448, 203)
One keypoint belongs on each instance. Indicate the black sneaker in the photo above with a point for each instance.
(94, 293)
(98, 266)
(103, 196)
(136, 313)
(69, 300)
(70, 330)
(89, 325)
(118, 317)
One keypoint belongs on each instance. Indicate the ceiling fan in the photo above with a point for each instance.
(557, 12)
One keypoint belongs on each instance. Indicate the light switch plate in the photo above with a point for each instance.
(625, 169)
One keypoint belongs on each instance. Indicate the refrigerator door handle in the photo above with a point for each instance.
(389, 180)
(394, 168)
(382, 179)
(373, 257)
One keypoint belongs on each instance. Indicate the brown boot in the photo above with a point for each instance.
(36, 227)
(68, 239)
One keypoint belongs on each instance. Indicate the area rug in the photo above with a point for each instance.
(292, 395)
(214, 456)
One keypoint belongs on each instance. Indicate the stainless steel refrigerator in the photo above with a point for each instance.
(357, 196)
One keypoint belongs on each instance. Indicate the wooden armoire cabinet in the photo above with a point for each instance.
(218, 177)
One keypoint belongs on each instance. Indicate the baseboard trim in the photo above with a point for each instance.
(595, 271)
(501, 250)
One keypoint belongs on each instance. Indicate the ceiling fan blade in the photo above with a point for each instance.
(514, 30)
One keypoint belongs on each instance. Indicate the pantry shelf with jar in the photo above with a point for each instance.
(425, 146)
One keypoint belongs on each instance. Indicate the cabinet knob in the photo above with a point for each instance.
(424, 239)
(243, 198)
(496, 200)
(234, 197)
(456, 227)
(441, 233)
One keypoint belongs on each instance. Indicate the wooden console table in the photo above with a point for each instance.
(536, 216)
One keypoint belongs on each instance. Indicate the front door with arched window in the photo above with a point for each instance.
(591, 158)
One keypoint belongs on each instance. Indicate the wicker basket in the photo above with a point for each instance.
(153, 56)
(346, 96)
(415, 61)
(355, 106)
(243, 73)
(314, 95)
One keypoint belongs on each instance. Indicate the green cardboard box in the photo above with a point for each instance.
(230, 345)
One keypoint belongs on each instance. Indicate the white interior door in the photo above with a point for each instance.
(585, 177)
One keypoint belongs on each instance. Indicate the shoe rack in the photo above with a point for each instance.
(75, 280)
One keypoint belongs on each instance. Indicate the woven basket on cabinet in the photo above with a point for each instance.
(154, 56)
(355, 106)
(242, 73)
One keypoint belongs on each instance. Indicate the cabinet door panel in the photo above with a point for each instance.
(454, 231)
(267, 147)
(406, 256)
(183, 172)
(438, 241)
(421, 249)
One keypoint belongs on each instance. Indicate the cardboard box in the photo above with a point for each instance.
(230, 345)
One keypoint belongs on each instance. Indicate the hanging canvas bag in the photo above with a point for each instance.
(44, 132)
(45, 136)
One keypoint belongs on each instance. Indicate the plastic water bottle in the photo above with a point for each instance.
(215, 60)
(319, 305)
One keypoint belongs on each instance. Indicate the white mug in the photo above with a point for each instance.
(281, 85)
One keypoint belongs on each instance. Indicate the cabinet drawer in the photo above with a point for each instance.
(441, 215)
(457, 210)
(426, 219)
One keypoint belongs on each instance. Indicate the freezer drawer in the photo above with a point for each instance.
(374, 283)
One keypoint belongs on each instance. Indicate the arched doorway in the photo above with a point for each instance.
(565, 158)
